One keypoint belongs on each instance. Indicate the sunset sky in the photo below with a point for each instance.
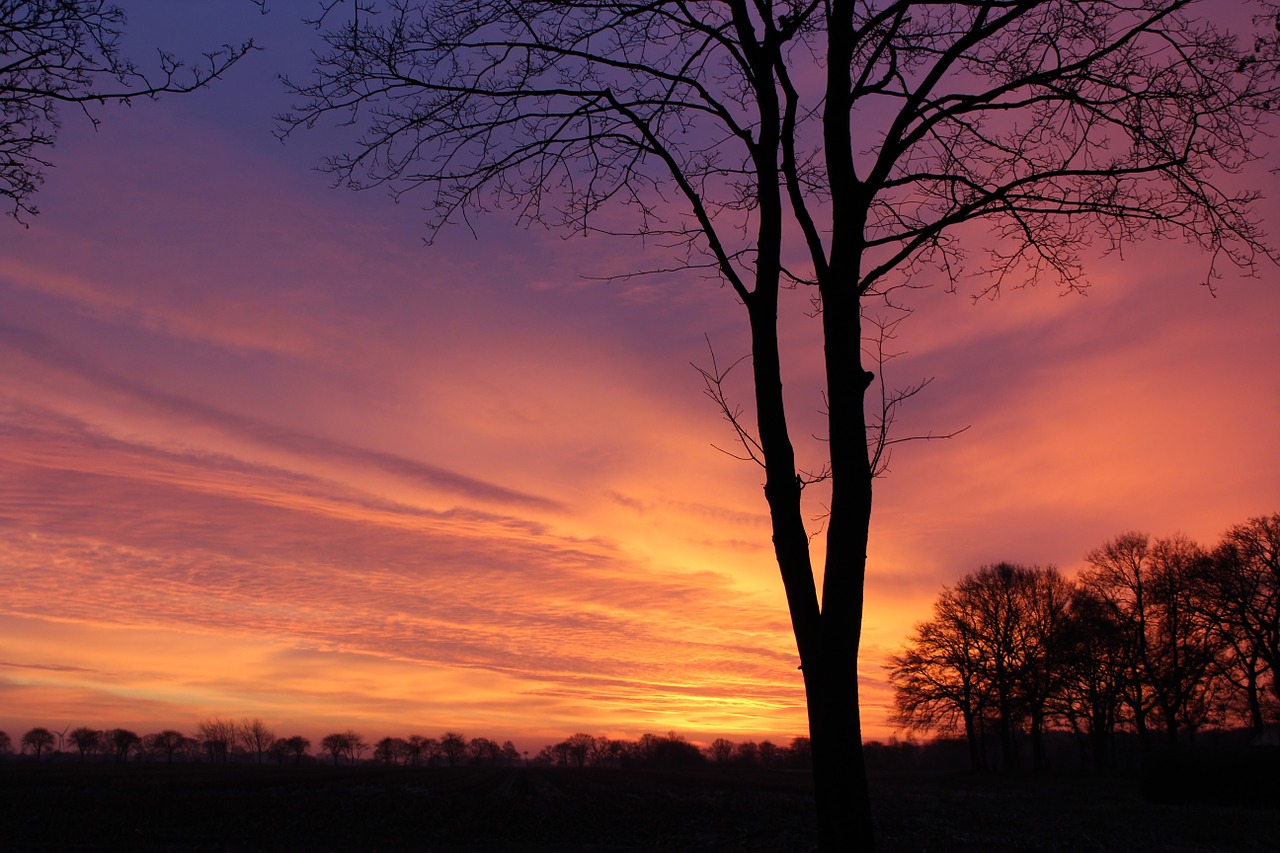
(265, 453)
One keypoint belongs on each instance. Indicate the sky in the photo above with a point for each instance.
(265, 453)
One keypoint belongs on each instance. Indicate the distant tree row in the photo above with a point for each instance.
(1160, 638)
(670, 750)
(218, 740)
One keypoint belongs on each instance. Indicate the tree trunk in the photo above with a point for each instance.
(1039, 762)
(975, 745)
(826, 638)
(1255, 701)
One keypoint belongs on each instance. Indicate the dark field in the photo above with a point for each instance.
(192, 808)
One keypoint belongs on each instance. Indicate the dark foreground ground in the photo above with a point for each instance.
(184, 809)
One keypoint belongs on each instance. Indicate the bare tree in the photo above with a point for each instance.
(166, 742)
(256, 736)
(1042, 671)
(218, 736)
(851, 148)
(294, 747)
(348, 744)
(37, 740)
(356, 745)
(1184, 653)
(391, 750)
(581, 746)
(720, 750)
(418, 749)
(86, 740)
(1154, 588)
(1098, 669)
(336, 744)
(939, 676)
(122, 742)
(66, 53)
(453, 746)
(1243, 594)
(6, 743)
(994, 650)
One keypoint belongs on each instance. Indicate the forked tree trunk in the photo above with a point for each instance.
(827, 638)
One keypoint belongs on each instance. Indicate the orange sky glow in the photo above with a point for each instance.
(263, 453)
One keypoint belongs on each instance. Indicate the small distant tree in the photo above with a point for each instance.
(483, 750)
(165, 743)
(800, 752)
(559, 754)
(610, 751)
(37, 740)
(417, 749)
(86, 740)
(6, 743)
(356, 745)
(391, 750)
(336, 744)
(294, 747)
(217, 736)
(720, 750)
(669, 750)
(123, 742)
(580, 747)
(256, 737)
(453, 746)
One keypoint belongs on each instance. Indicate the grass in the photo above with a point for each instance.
(198, 808)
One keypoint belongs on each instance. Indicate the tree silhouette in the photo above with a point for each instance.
(939, 677)
(37, 740)
(850, 148)
(993, 650)
(1154, 590)
(419, 748)
(256, 736)
(453, 746)
(166, 742)
(720, 750)
(1243, 592)
(581, 746)
(86, 740)
(291, 747)
(122, 742)
(336, 744)
(1098, 666)
(218, 736)
(60, 53)
(391, 750)
(6, 743)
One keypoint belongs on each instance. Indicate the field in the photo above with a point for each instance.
(190, 808)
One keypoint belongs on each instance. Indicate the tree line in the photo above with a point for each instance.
(250, 740)
(1155, 638)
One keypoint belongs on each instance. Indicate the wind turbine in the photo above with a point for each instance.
(61, 734)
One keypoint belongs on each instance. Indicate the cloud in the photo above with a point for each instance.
(106, 533)
(296, 442)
